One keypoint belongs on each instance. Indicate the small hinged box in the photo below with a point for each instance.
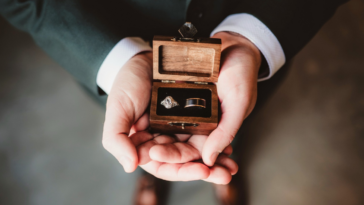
(185, 70)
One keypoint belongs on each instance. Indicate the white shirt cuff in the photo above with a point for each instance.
(258, 33)
(125, 49)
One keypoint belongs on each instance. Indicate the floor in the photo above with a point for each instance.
(308, 148)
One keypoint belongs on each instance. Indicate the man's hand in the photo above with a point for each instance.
(125, 109)
(175, 159)
(237, 91)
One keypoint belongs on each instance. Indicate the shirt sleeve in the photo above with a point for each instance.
(258, 33)
(243, 24)
(125, 49)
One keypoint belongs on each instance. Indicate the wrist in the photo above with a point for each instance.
(137, 70)
(146, 56)
(231, 39)
(142, 63)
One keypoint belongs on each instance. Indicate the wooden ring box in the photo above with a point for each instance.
(185, 69)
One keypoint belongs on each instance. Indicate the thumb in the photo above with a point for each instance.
(116, 131)
(237, 89)
(128, 99)
(233, 112)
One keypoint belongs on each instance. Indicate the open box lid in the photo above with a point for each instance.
(195, 61)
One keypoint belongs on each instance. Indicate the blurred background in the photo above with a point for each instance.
(306, 145)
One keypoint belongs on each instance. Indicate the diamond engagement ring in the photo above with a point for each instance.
(169, 102)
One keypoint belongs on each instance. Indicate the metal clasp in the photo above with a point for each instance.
(183, 124)
(187, 31)
(179, 39)
(201, 83)
(168, 81)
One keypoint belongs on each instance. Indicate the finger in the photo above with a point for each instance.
(219, 175)
(179, 152)
(228, 150)
(198, 141)
(237, 90)
(233, 110)
(228, 163)
(156, 134)
(224, 134)
(164, 139)
(140, 137)
(177, 172)
(144, 149)
(140, 125)
(115, 136)
(143, 152)
(182, 137)
(127, 101)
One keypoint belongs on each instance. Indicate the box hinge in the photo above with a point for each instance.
(168, 81)
(201, 83)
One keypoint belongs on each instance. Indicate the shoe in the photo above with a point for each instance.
(150, 191)
(226, 194)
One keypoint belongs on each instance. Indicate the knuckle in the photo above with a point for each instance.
(228, 135)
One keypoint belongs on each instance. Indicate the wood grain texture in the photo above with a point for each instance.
(186, 61)
(205, 125)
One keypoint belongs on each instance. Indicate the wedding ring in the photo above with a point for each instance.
(169, 102)
(195, 102)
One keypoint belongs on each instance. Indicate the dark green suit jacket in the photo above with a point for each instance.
(78, 34)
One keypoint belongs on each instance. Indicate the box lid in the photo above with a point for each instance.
(195, 61)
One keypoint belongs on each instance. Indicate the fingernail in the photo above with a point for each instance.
(126, 162)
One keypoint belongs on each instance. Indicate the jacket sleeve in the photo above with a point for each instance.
(70, 34)
(293, 22)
